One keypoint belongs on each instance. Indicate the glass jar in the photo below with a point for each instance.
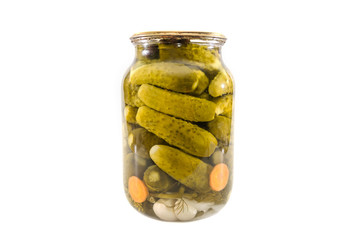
(178, 128)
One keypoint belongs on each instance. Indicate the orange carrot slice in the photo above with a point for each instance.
(219, 177)
(137, 189)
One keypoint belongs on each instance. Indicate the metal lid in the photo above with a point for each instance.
(203, 36)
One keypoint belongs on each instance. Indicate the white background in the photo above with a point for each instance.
(298, 70)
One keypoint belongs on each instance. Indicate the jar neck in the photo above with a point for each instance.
(203, 47)
(178, 50)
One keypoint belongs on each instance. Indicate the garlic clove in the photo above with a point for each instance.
(183, 211)
(163, 209)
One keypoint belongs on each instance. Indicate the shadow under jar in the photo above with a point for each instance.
(177, 126)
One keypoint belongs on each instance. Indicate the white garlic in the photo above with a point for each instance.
(184, 211)
(164, 209)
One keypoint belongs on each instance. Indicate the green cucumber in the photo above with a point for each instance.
(184, 135)
(188, 170)
(224, 105)
(221, 84)
(176, 104)
(220, 127)
(130, 114)
(173, 76)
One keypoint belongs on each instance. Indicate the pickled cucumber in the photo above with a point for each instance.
(156, 180)
(201, 86)
(210, 70)
(205, 58)
(140, 141)
(172, 76)
(221, 84)
(176, 104)
(130, 114)
(224, 105)
(130, 93)
(189, 51)
(184, 135)
(220, 127)
(188, 170)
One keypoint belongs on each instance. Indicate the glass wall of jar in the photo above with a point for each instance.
(178, 126)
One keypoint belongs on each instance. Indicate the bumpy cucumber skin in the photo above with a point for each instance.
(130, 114)
(224, 105)
(184, 135)
(188, 170)
(130, 93)
(140, 141)
(173, 76)
(220, 127)
(221, 84)
(176, 104)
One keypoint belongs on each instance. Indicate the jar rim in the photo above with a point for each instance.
(191, 35)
